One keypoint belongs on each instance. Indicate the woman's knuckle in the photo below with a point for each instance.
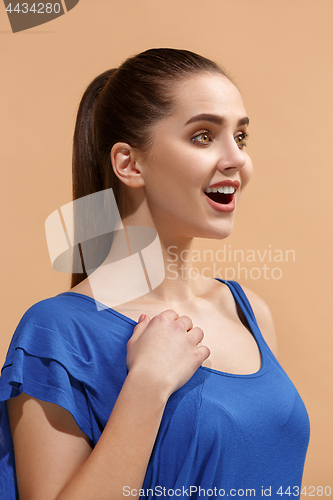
(162, 317)
(180, 324)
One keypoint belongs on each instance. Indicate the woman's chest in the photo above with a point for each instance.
(233, 347)
(231, 429)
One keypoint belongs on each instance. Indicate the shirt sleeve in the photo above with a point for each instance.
(42, 363)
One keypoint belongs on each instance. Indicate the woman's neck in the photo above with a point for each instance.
(181, 282)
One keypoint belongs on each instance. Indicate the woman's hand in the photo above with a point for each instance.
(164, 351)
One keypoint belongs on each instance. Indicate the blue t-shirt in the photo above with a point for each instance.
(221, 434)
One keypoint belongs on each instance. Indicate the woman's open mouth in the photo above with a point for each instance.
(221, 198)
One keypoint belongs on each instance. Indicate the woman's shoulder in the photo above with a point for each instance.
(264, 318)
(56, 314)
(45, 329)
(72, 308)
(68, 324)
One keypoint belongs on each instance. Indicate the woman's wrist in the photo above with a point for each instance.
(148, 387)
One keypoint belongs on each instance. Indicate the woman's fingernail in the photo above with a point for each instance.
(142, 317)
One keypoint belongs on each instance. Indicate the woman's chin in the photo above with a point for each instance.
(219, 232)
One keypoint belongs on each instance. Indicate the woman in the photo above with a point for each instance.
(189, 401)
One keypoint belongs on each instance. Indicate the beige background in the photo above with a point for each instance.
(279, 54)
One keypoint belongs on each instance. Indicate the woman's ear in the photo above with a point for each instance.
(126, 167)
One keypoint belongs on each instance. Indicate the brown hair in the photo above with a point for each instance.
(122, 105)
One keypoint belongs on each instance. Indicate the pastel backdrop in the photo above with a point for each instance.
(280, 56)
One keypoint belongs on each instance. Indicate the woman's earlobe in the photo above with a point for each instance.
(125, 165)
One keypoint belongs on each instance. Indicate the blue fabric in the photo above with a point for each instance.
(221, 432)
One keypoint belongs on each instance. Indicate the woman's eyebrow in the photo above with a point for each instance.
(218, 120)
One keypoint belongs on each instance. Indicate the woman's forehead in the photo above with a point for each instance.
(207, 93)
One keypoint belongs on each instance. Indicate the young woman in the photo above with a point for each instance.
(190, 400)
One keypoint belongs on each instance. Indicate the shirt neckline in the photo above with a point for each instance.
(252, 326)
(103, 306)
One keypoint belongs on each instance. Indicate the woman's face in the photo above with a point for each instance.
(200, 145)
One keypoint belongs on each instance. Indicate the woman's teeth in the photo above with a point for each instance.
(222, 189)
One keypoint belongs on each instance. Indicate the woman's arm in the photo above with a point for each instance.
(54, 460)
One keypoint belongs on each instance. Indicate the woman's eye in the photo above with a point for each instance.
(203, 138)
(241, 140)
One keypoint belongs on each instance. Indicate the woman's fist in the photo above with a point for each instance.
(164, 350)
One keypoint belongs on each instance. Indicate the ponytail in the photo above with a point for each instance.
(87, 176)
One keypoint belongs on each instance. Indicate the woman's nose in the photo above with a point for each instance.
(232, 157)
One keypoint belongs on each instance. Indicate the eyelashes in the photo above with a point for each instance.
(242, 139)
(205, 138)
